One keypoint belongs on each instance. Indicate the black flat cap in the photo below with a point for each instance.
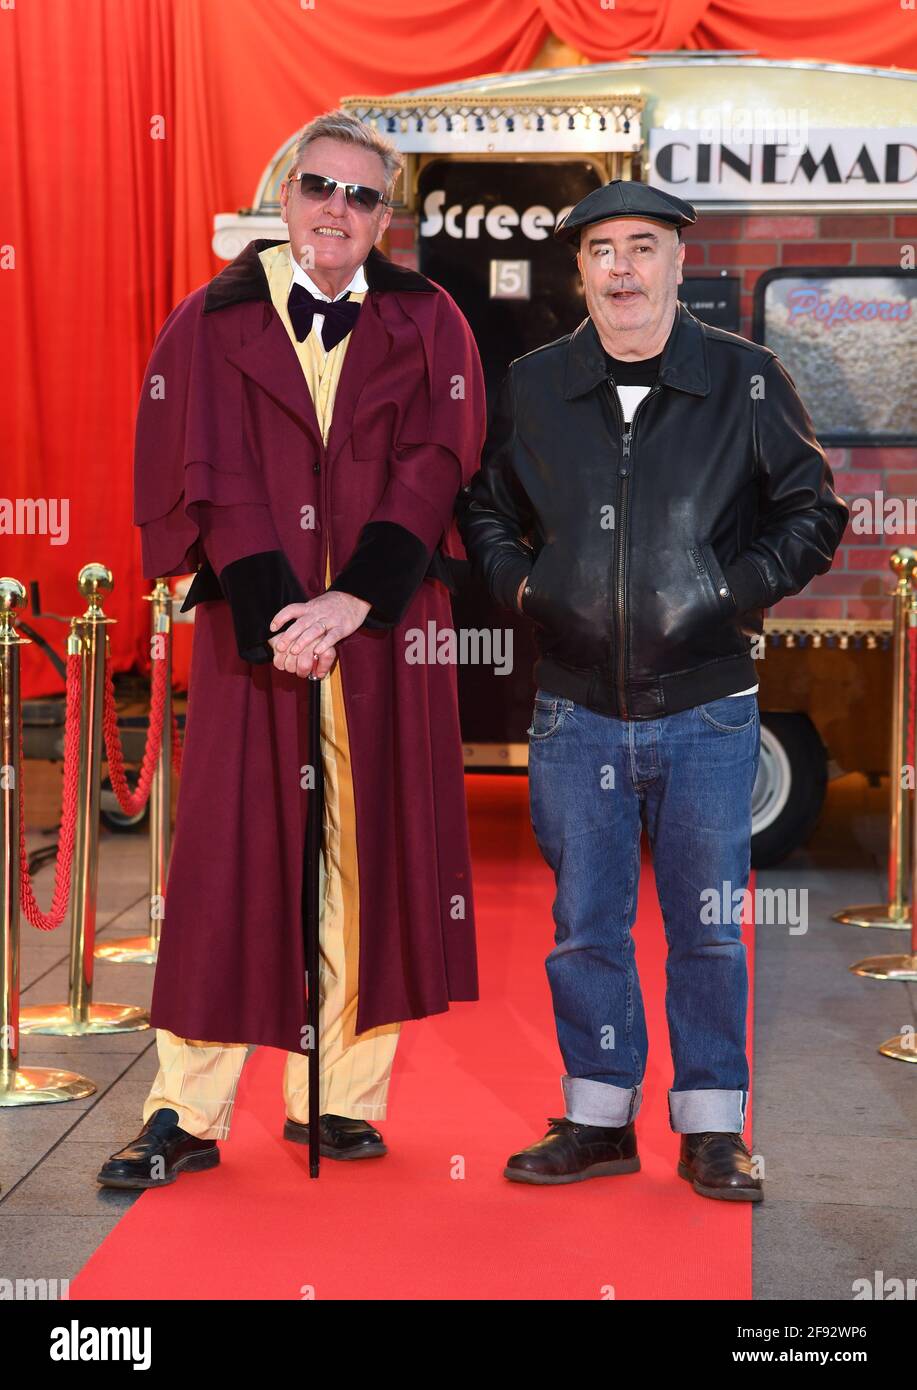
(624, 198)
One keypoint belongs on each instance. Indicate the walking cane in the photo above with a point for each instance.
(311, 910)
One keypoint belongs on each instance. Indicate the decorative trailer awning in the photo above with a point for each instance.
(469, 123)
(627, 115)
(490, 116)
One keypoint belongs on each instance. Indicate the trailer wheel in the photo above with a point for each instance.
(789, 790)
(113, 817)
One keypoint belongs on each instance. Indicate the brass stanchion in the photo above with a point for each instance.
(903, 1046)
(895, 912)
(143, 950)
(902, 967)
(89, 638)
(18, 1085)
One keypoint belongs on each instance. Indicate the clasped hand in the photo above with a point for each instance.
(309, 645)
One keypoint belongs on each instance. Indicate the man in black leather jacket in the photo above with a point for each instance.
(649, 486)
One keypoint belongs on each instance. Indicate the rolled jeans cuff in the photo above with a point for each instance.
(696, 1112)
(599, 1103)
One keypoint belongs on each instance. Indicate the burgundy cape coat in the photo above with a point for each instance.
(228, 461)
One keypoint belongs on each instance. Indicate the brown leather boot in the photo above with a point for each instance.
(719, 1165)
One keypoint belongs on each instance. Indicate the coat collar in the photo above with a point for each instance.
(683, 365)
(267, 357)
(244, 278)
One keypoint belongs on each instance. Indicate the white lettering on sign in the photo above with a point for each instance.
(536, 223)
(828, 165)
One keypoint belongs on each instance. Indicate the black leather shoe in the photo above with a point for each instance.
(571, 1152)
(159, 1155)
(339, 1137)
(719, 1165)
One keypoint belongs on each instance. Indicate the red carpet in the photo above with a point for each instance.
(435, 1219)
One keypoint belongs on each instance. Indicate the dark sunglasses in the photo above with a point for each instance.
(318, 189)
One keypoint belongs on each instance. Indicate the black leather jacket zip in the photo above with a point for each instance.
(624, 471)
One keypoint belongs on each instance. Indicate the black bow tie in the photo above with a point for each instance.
(340, 315)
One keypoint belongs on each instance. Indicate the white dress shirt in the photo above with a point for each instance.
(300, 277)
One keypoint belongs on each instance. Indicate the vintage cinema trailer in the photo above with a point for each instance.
(804, 176)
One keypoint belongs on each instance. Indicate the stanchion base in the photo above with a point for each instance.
(43, 1086)
(903, 1047)
(887, 967)
(880, 915)
(133, 950)
(62, 1021)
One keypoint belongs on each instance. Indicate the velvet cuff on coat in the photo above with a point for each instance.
(385, 570)
(256, 587)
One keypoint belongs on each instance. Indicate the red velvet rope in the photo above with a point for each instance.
(61, 896)
(133, 801)
(130, 801)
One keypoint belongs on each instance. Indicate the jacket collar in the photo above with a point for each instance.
(244, 278)
(683, 365)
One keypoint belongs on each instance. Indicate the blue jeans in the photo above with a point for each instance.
(688, 777)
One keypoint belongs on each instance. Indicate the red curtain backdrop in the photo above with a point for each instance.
(129, 123)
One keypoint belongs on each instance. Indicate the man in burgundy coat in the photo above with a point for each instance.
(307, 421)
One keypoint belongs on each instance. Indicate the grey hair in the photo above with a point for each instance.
(340, 125)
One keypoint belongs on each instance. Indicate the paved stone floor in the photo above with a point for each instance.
(835, 1121)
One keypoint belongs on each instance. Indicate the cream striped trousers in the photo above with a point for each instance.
(199, 1079)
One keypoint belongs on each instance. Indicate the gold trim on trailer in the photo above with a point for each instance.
(876, 631)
